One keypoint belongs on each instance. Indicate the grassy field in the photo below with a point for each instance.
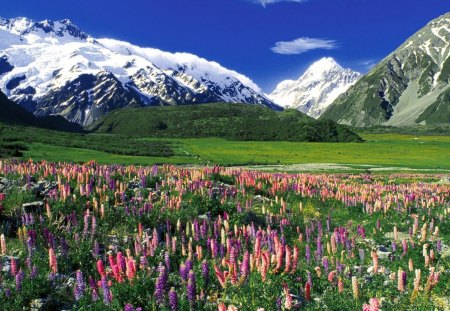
(389, 150)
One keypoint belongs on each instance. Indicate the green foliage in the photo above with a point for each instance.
(230, 121)
(15, 138)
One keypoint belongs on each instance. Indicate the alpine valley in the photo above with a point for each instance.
(54, 68)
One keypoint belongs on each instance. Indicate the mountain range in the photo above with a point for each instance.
(54, 68)
(316, 89)
(410, 86)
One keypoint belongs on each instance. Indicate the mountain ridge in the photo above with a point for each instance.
(54, 68)
(410, 86)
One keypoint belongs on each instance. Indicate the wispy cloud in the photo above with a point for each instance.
(266, 2)
(302, 45)
(368, 64)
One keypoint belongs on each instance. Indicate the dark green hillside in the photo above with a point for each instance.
(231, 121)
(11, 113)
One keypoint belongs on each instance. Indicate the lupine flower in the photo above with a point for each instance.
(107, 297)
(205, 272)
(191, 288)
(19, 280)
(355, 287)
(173, 299)
(288, 298)
(79, 286)
(308, 291)
(161, 284)
(100, 268)
(128, 307)
(52, 261)
(3, 244)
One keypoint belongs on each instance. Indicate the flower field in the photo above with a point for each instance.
(112, 237)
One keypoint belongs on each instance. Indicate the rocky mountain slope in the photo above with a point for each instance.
(410, 86)
(54, 68)
(316, 89)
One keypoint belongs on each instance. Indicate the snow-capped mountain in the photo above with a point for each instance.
(410, 86)
(54, 68)
(316, 89)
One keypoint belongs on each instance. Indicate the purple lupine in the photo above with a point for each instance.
(34, 272)
(308, 253)
(107, 298)
(183, 272)
(94, 290)
(19, 280)
(205, 272)
(128, 307)
(80, 286)
(167, 261)
(278, 303)
(93, 225)
(326, 264)
(96, 249)
(30, 247)
(160, 285)
(439, 246)
(173, 299)
(191, 288)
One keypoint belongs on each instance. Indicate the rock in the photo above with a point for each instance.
(38, 304)
(383, 252)
(33, 207)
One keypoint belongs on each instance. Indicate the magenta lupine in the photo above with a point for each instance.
(173, 300)
(13, 264)
(245, 265)
(93, 226)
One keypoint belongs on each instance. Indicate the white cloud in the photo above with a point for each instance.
(368, 64)
(302, 45)
(266, 2)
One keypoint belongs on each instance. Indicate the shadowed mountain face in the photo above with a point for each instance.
(408, 87)
(53, 67)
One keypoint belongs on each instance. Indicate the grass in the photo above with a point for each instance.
(424, 152)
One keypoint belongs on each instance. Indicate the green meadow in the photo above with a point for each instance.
(386, 150)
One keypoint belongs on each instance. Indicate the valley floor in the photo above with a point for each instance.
(393, 152)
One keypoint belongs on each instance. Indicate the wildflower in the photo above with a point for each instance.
(161, 284)
(401, 280)
(3, 244)
(128, 307)
(308, 291)
(173, 299)
(191, 288)
(205, 272)
(288, 299)
(79, 286)
(100, 268)
(107, 297)
(52, 261)
(355, 287)
(19, 279)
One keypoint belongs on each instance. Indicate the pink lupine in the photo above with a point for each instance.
(3, 244)
(52, 261)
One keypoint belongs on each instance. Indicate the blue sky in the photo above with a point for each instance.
(267, 40)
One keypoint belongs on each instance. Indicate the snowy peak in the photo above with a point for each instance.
(22, 26)
(54, 68)
(321, 67)
(316, 89)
